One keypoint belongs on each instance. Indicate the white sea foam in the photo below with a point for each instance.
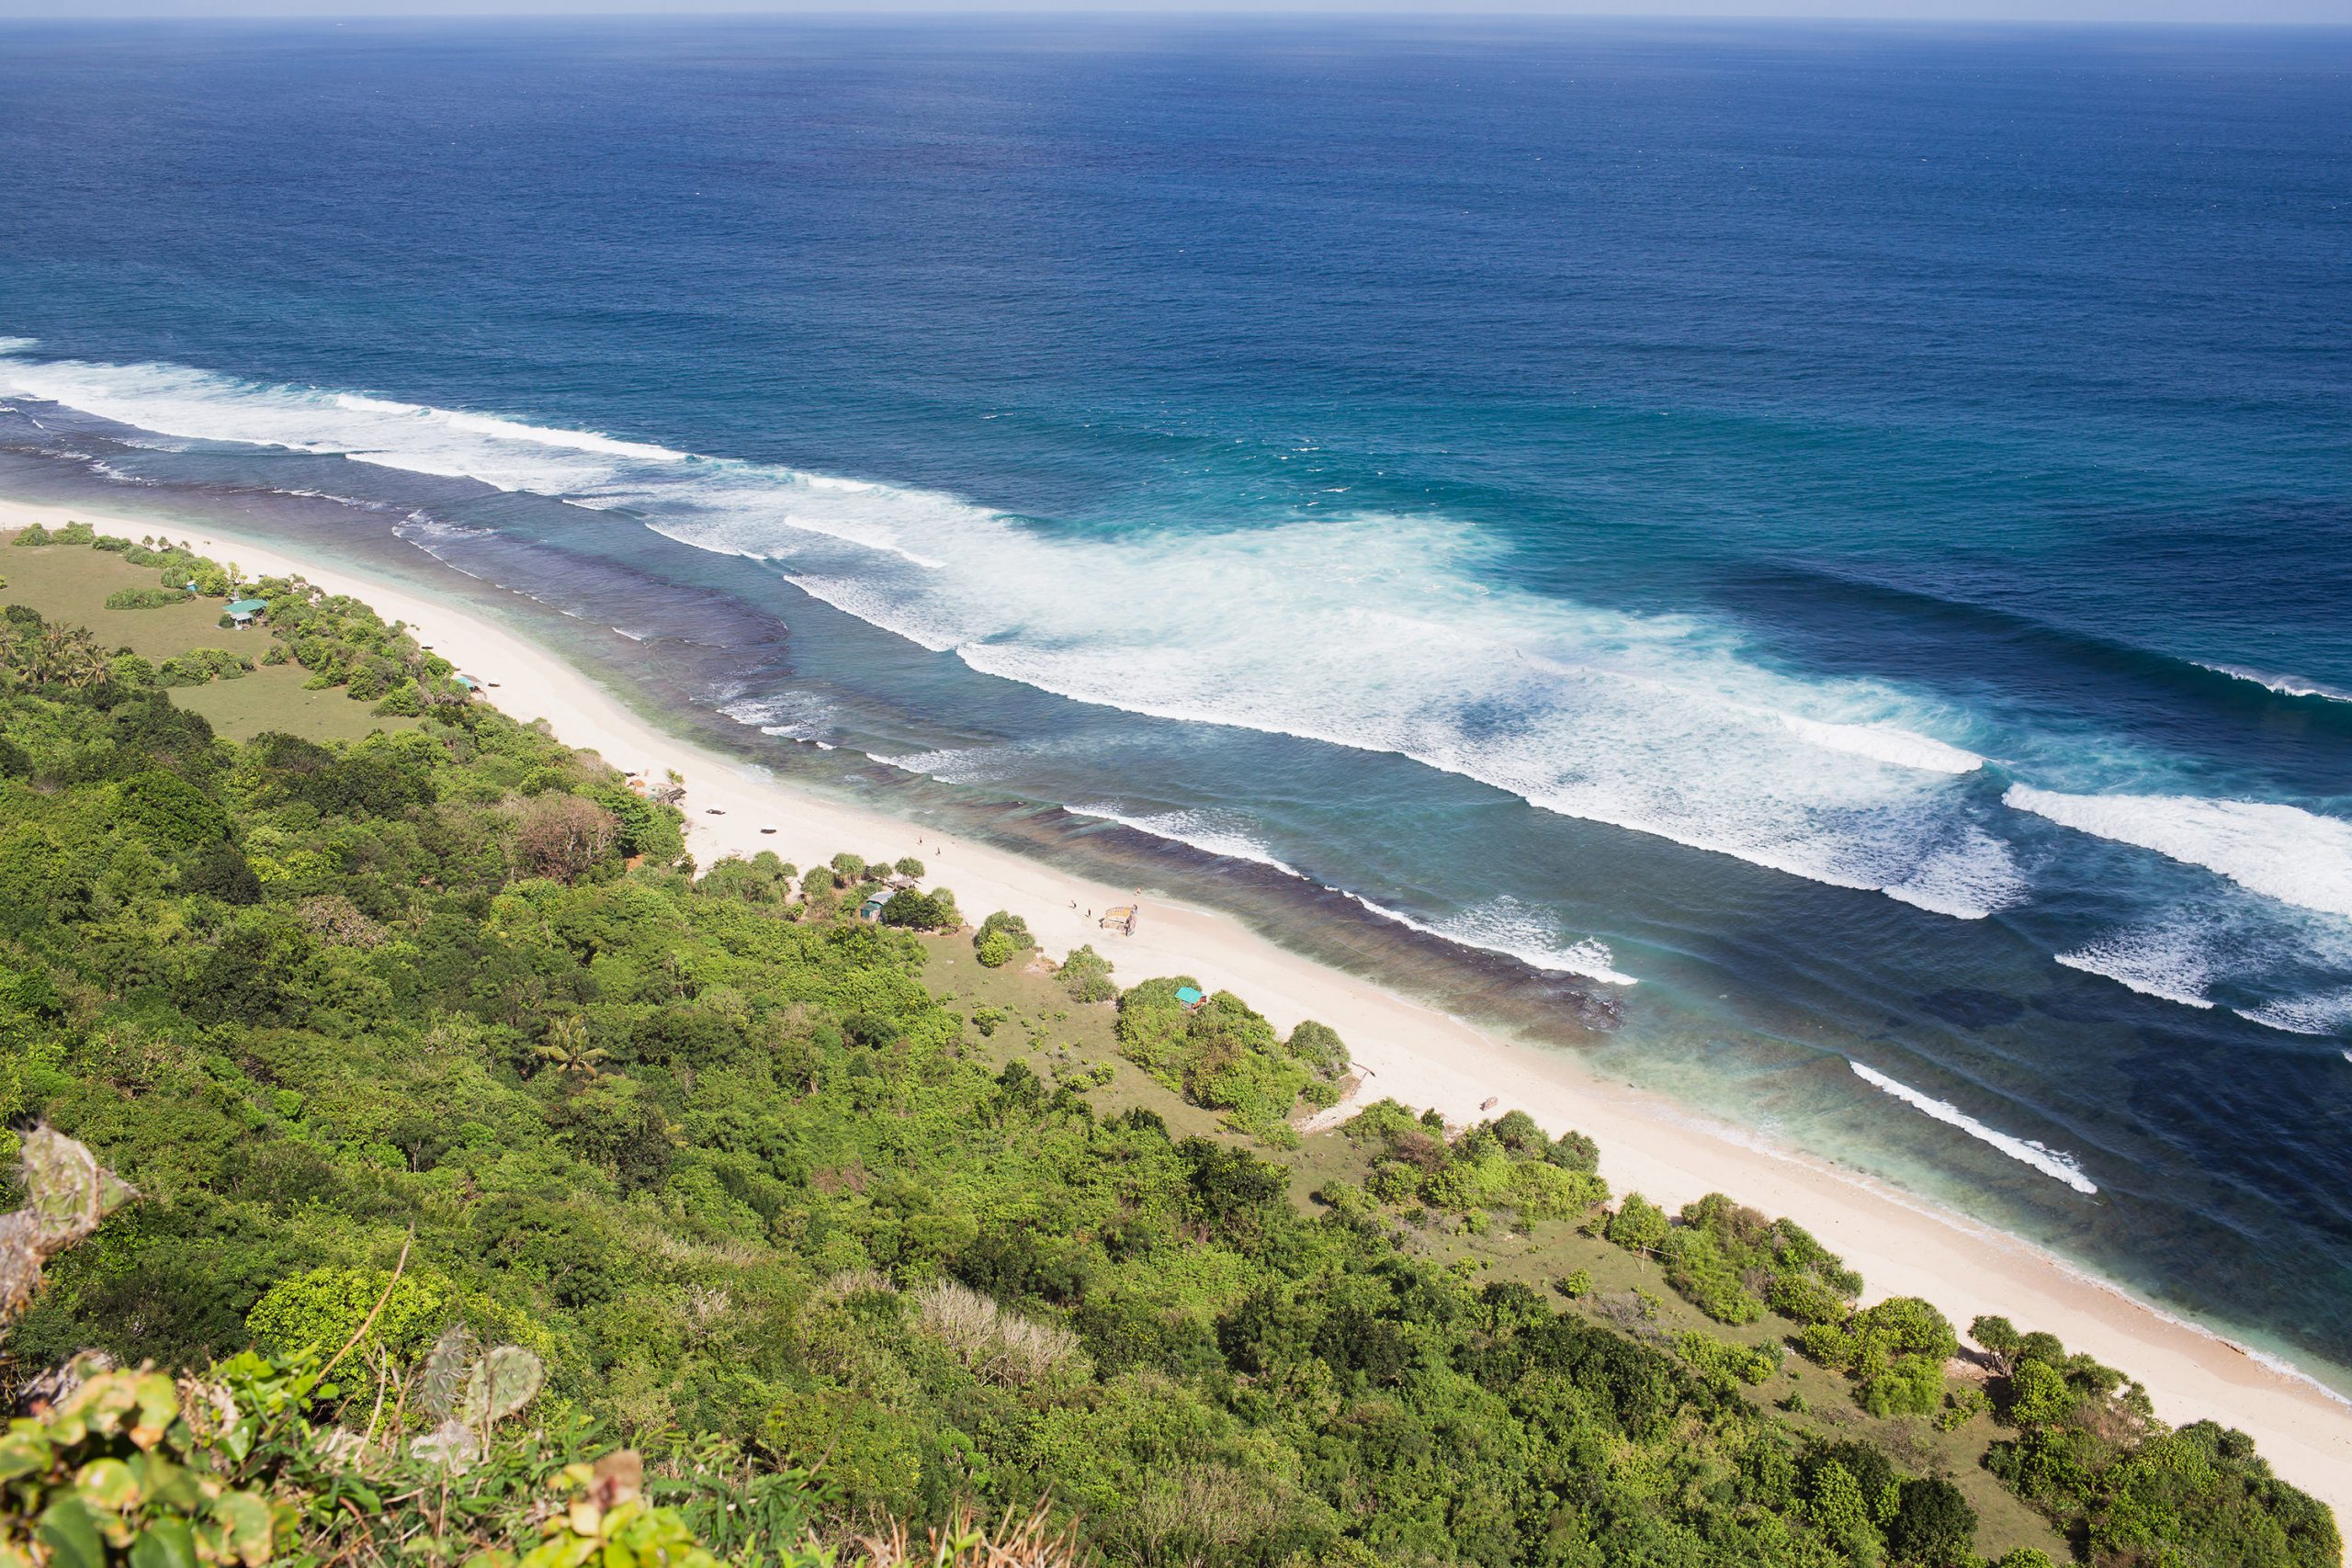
(2323, 1013)
(2280, 852)
(1211, 833)
(1511, 929)
(2049, 1161)
(2170, 962)
(198, 405)
(1884, 743)
(1505, 926)
(1386, 634)
(2285, 685)
(792, 715)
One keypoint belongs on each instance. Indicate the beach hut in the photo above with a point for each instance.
(244, 613)
(1120, 917)
(871, 910)
(1189, 998)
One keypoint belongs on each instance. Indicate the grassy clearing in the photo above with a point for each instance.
(1066, 1041)
(273, 699)
(70, 583)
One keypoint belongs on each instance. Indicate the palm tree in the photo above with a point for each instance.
(566, 1049)
(65, 656)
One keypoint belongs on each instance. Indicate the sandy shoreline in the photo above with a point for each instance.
(1902, 1245)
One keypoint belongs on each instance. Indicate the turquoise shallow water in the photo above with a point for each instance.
(1807, 565)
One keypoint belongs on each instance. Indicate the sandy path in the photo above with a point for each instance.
(1424, 1058)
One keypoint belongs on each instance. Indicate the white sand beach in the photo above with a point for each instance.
(1412, 1052)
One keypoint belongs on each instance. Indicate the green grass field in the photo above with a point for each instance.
(69, 582)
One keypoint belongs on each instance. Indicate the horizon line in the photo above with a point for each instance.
(1218, 10)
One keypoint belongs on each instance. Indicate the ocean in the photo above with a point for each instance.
(1806, 566)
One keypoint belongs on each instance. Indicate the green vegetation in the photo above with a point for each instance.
(912, 910)
(1002, 939)
(1086, 976)
(1222, 1055)
(1506, 1165)
(1894, 1352)
(200, 665)
(430, 1040)
(144, 598)
(2091, 1454)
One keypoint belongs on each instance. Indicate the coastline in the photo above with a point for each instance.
(1901, 1244)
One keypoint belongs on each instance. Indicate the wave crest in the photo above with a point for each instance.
(2054, 1162)
(2280, 852)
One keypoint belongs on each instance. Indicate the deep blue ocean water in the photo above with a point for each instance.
(1808, 564)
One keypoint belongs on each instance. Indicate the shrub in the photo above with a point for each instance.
(1575, 1151)
(1014, 928)
(322, 1310)
(32, 536)
(1894, 1352)
(1997, 1335)
(1717, 1359)
(1085, 975)
(1701, 1274)
(144, 598)
(400, 702)
(1319, 1046)
(199, 666)
(997, 1346)
(996, 948)
(1805, 1299)
(1961, 1406)
(915, 911)
(559, 836)
(1913, 1385)
(1638, 1225)
(908, 866)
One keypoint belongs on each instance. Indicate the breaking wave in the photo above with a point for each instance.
(2171, 963)
(2281, 852)
(2285, 685)
(2051, 1162)
(1511, 929)
(1382, 632)
(1210, 832)
(2324, 1014)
